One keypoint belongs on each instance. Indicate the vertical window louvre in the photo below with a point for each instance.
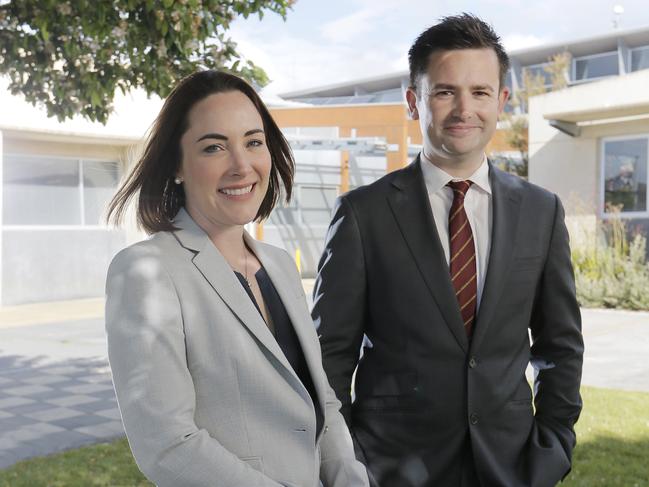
(640, 58)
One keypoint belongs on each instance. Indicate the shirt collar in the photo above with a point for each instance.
(436, 178)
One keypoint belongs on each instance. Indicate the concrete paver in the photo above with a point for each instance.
(56, 391)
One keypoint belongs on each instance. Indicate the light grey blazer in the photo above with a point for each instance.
(206, 395)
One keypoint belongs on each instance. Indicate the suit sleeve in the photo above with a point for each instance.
(338, 464)
(339, 302)
(557, 356)
(154, 388)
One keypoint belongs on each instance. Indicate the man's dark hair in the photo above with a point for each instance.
(463, 31)
(152, 178)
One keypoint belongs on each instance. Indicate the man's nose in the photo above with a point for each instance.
(462, 108)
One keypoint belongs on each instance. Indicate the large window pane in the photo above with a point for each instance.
(41, 191)
(538, 70)
(596, 67)
(625, 174)
(316, 204)
(640, 59)
(99, 183)
(283, 216)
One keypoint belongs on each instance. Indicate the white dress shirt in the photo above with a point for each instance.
(477, 204)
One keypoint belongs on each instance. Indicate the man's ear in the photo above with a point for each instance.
(503, 97)
(411, 98)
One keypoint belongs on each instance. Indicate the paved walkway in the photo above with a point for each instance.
(56, 391)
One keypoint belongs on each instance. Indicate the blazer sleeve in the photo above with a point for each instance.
(338, 464)
(339, 299)
(154, 388)
(557, 356)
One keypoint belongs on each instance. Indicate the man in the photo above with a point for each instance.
(439, 270)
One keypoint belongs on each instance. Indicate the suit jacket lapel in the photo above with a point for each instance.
(218, 273)
(296, 310)
(411, 207)
(506, 196)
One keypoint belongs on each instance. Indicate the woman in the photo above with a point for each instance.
(215, 360)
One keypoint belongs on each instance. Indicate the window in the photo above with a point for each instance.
(310, 205)
(539, 70)
(596, 66)
(56, 191)
(640, 58)
(624, 177)
(99, 183)
(316, 204)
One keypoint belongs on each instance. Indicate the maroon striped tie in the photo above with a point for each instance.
(463, 267)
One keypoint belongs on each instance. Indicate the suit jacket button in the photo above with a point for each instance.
(472, 362)
(473, 418)
(326, 428)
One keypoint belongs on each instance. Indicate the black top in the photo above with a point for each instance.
(284, 333)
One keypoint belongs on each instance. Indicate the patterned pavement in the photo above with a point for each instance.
(56, 401)
(56, 391)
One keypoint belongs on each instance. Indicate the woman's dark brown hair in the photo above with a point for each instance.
(152, 178)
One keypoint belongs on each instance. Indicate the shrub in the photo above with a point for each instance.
(611, 270)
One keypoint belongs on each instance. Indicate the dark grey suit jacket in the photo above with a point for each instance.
(423, 391)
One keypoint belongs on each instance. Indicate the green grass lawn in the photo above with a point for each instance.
(612, 451)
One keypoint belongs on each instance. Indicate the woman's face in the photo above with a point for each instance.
(225, 161)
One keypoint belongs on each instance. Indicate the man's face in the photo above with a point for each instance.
(457, 103)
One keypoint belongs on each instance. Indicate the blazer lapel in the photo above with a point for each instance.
(411, 207)
(218, 273)
(506, 196)
(297, 313)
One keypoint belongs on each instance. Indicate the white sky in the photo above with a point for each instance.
(329, 41)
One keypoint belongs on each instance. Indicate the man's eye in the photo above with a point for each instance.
(444, 93)
(481, 93)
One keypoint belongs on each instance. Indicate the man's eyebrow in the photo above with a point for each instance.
(446, 86)
(483, 88)
(442, 86)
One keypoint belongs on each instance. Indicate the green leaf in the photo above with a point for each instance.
(70, 62)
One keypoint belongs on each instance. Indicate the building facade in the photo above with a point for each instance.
(588, 142)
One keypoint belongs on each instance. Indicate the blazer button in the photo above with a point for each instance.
(472, 362)
(473, 419)
(326, 428)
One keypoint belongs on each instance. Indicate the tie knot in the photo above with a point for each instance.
(460, 187)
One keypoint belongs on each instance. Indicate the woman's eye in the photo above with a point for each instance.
(213, 148)
(255, 143)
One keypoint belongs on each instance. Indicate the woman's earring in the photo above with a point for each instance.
(178, 180)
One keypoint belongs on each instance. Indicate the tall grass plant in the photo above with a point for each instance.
(611, 269)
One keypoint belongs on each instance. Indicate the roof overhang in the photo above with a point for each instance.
(613, 100)
(596, 114)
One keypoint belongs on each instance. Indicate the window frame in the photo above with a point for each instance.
(602, 178)
(296, 205)
(593, 56)
(80, 192)
(537, 65)
(630, 57)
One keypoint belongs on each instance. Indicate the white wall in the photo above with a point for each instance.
(570, 166)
